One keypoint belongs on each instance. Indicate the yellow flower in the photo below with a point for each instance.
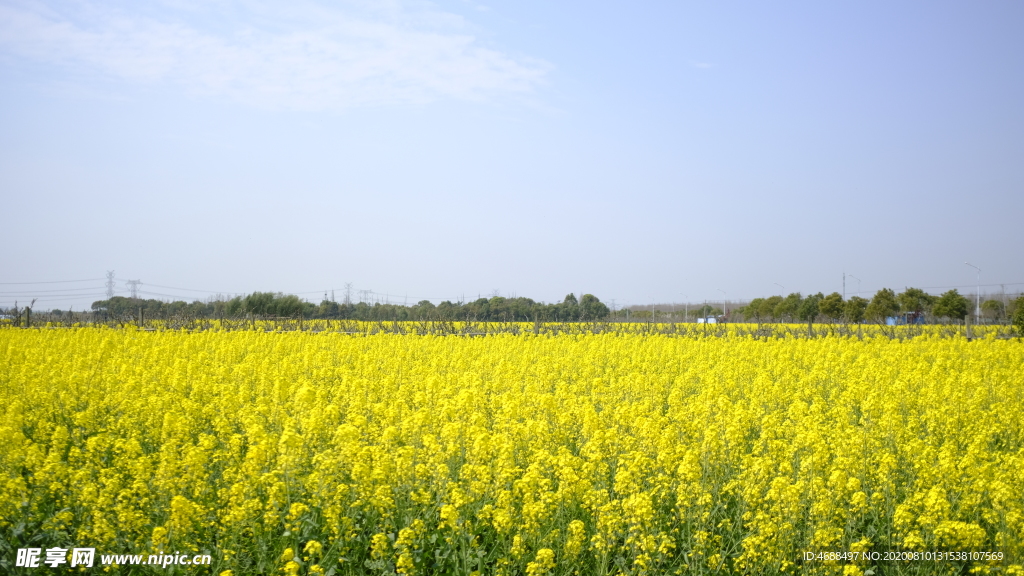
(542, 564)
(379, 546)
(313, 548)
(643, 447)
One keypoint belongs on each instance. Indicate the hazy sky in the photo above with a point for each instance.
(636, 150)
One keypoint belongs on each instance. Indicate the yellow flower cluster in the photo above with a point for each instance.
(580, 453)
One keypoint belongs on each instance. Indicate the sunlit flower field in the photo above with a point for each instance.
(529, 454)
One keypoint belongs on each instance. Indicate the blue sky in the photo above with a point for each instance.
(637, 151)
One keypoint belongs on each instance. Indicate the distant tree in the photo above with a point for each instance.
(915, 301)
(447, 310)
(218, 307)
(855, 309)
(788, 308)
(270, 304)
(258, 303)
(116, 306)
(592, 309)
(752, 311)
(328, 309)
(1018, 315)
(497, 308)
(478, 309)
(287, 305)
(235, 306)
(992, 308)
(707, 311)
(769, 307)
(951, 305)
(883, 305)
(831, 306)
(809, 307)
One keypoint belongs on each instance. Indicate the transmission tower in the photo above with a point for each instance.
(133, 285)
(110, 284)
(348, 293)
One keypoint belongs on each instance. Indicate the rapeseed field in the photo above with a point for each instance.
(514, 454)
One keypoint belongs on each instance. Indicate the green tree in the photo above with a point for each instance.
(286, 305)
(707, 311)
(831, 306)
(788, 308)
(752, 311)
(809, 307)
(992, 308)
(915, 300)
(258, 303)
(769, 306)
(883, 305)
(951, 305)
(592, 309)
(328, 309)
(855, 309)
(1018, 315)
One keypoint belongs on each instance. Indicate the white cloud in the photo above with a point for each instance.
(306, 56)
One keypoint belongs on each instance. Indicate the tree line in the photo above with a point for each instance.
(911, 306)
(277, 305)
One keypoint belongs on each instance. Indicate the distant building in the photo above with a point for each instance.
(904, 319)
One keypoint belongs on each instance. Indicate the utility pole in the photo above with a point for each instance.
(110, 284)
(133, 285)
(858, 283)
(977, 307)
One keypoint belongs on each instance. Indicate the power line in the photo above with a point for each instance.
(366, 293)
(964, 286)
(62, 298)
(159, 293)
(972, 285)
(197, 290)
(34, 292)
(52, 281)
